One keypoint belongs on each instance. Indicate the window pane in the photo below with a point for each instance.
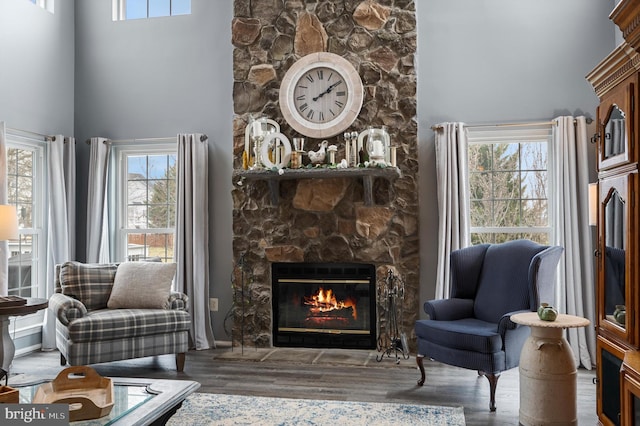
(24, 159)
(137, 192)
(480, 158)
(481, 213)
(506, 213)
(534, 156)
(137, 167)
(158, 166)
(506, 185)
(137, 217)
(180, 7)
(159, 8)
(141, 246)
(535, 213)
(25, 215)
(534, 184)
(480, 186)
(136, 9)
(506, 156)
(21, 263)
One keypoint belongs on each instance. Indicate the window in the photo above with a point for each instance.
(26, 185)
(146, 179)
(509, 181)
(140, 9)
(45, 4)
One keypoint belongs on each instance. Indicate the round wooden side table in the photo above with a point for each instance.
(547, 371)
(8, 347)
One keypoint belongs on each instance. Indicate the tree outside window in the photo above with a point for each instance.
(508, 191)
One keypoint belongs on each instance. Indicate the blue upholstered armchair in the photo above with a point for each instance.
(489, 283)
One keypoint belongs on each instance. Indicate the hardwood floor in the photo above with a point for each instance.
(335, 375)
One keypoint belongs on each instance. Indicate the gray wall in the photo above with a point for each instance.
(478, 62)
(495, 61)
(36, 67)
(156, 78)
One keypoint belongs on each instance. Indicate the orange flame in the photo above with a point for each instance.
(325, 301)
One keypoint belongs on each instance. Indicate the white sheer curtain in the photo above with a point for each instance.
(97, 217)
(576, 281)
(192, 234)
(62, 220)
(453, 205)
(4, 245)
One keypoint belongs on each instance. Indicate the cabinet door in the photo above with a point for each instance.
(617, 242)
(609, 361)
(630, 399)
(616, 121)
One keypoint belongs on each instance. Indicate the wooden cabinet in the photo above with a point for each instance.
(616, 81)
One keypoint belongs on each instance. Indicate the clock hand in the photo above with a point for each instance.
(329, 89)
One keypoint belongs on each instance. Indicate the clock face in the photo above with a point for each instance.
(321, 95)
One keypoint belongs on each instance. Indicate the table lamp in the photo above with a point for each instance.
(8, 231)
(8, 222)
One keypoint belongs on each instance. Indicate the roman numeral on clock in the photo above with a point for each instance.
(310, 114)
(310, 78)
(339, 104)
(303, 107)
(320, 75)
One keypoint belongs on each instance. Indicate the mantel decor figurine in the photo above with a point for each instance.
(255, 133)
(376, 144)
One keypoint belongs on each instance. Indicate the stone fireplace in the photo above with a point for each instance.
(331, 217)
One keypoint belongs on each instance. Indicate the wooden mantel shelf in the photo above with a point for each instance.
(273, 178)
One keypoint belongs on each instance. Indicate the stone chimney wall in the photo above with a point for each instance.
(324, 220)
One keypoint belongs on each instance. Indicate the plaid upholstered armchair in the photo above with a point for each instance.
(111, 312)
(489, 283)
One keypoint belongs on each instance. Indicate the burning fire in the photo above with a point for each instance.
(325, 301)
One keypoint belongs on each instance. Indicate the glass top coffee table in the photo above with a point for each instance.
(137, 401)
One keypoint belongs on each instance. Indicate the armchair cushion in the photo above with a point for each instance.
(469, 334)
(109, 324)
(90, 283)
(140, 285)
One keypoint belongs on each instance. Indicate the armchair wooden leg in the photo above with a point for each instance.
(180, 358)
(63, 360)
(419, 361)
(493, 383)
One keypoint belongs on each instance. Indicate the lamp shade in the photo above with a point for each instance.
(593, 204)
(8, 222)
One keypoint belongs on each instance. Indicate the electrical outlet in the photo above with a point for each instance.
(213, 304)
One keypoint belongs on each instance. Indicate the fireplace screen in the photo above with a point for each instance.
(324, 305)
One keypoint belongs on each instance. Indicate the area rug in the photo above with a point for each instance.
(215, 409)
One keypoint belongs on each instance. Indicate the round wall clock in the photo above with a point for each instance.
(321, 95)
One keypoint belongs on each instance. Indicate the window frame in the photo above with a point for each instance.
(119, 10)
(535, 133)
(118, 192)
(27, 325)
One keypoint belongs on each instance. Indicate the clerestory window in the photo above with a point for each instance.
(141, 9)
(45, 4)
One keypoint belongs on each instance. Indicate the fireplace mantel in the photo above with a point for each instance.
(273, 178)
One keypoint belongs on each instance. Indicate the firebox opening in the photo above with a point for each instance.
(324, 305)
